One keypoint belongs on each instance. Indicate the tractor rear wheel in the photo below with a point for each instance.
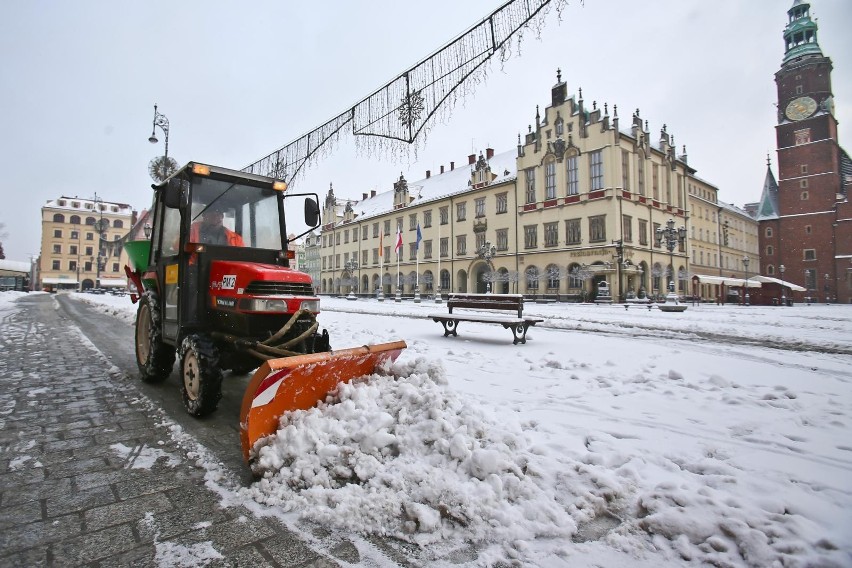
(154, 358)
(201, 377)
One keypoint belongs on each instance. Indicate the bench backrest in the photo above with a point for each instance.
(513, 302)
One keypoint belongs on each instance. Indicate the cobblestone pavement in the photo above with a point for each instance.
(89, 474)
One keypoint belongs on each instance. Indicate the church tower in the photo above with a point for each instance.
(802, 226)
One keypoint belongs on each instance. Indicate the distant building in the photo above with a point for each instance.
(81, 243)
(806, 217)
(577, 204)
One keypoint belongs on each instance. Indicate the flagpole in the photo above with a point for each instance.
(417, 265)
(398, 297)
(381, 295)
(438, 298)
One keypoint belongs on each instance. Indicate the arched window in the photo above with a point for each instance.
(553, 275)
(58, 218)
(74, 219)
(770, 250)
(532, 278)
(90, 220)
(118, 224)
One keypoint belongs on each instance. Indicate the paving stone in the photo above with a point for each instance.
(93, 546)
(288, 550)
(125, 511)
(63, 504)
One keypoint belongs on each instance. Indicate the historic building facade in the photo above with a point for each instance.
(572, 213)
(81, 243)
(806, 218)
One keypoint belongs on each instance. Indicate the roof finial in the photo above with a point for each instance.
(581, 93)
(768, 160)
(558, 75)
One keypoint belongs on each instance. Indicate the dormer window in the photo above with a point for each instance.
(560, 127)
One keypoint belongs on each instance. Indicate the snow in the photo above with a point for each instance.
(717, 436)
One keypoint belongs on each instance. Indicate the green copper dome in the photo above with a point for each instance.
(800, 34)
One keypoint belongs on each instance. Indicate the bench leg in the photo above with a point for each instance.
(450, 327)
(520, 333)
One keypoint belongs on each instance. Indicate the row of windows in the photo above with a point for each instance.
(88, 266)
(352, 235)
(76, 205)
(573, 236)
(75, 220)
(596, 177)
(72, 249)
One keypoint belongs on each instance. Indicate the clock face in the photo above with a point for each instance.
(800, 108)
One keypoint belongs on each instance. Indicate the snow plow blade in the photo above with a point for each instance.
(300, 382)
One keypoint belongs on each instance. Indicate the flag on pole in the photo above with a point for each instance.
(398, 246)
(419, 238)
(381, 248)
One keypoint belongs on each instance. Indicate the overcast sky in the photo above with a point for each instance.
(239, 80)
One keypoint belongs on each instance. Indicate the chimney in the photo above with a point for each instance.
(489, 153)
(372, 193)
(364, 198)
(428, 174)
(452, 166)
(471, 159)
(442, 169)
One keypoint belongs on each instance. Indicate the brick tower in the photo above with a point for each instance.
(806, 220)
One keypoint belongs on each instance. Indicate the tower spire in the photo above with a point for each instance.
(800, 33)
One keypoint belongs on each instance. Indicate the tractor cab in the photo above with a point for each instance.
(217, 236)
(216, 289)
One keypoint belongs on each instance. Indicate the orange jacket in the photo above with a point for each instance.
(234, 239)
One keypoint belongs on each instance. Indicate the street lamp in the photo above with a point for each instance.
(783, 287)
(670, 238)
(826, 287)
(486, 252)
(619, 257)
(351, 266)
(161, 168)
(745, 264)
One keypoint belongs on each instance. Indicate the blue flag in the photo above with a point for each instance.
(419, 238)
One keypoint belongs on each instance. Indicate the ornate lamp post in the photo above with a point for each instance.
(670, 238)
(783, 287)
(161, 167)
(827, 288)
(351, 266)
(619, 258)
(486, 252)
(745, 264)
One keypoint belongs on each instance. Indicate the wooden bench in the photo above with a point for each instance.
(506, 302)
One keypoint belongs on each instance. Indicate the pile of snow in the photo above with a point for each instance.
(405, 456)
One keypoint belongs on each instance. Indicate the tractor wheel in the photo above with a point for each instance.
(154, 358)
(201, 377)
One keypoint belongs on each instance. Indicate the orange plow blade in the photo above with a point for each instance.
(299, 383)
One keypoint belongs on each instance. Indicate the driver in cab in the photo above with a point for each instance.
(210, 230)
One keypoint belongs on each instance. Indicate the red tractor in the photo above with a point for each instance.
(215, 288)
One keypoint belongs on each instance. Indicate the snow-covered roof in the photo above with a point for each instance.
(14, 266)
(437, 186)
(88, 205)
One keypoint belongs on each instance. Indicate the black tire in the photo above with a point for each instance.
(154, 358)
(201, 377)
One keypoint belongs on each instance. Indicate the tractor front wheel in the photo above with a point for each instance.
(201, 377)
(154, 358)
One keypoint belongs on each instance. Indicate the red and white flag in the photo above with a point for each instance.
(398, 248)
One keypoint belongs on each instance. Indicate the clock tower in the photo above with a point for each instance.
(805, 223)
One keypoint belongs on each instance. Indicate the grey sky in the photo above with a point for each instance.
(238, 80)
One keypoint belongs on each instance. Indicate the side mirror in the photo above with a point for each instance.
(312, 213)
(172, 194)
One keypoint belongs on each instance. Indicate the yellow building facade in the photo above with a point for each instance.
(81, 244)
(574, 212)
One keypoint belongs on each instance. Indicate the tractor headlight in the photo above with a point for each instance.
(264, 305)
(310, 305)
